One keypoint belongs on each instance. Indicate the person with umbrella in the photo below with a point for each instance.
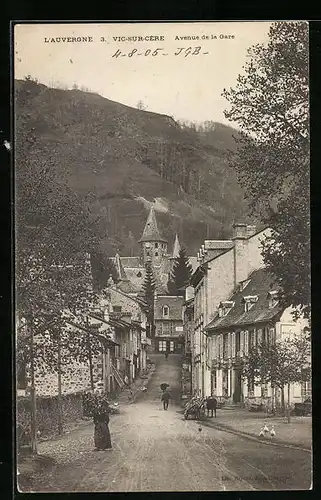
(165, 398)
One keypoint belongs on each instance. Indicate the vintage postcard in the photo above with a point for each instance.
(162, 256)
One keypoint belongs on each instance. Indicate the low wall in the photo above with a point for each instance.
(47, 415)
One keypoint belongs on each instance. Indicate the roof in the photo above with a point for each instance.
(136, 277)
(176, 248)
(261, 282)
(193, 262)
(131, 262)
(218, 244)
(151, 232)
(174, 303)
(119, 268)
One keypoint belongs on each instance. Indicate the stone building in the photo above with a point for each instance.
(251, 315)
(169, 324)
(226, 268)
(154, 250)
(222, 265)
(188, 330)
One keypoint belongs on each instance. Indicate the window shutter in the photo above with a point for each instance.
(241, 343)
(215, 354)
(221, 346)
(254, 337)
(233, 345)
(229, 345)
(246, 342)
(259, 335)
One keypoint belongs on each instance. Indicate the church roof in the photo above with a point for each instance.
(151, 232)
(131, 262)
(119, 268)
(176, 248)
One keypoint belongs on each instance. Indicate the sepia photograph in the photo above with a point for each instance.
(162, 256)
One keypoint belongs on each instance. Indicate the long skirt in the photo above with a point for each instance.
(102, 436)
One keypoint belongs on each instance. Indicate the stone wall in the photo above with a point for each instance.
(47, 415)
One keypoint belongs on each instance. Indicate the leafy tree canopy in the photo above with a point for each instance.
(270, 104)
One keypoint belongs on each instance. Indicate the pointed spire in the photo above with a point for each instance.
(120, 269)
(151, 232)
(176, 248)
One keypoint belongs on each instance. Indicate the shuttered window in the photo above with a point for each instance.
(259, 336)
(229, 345)
(233, 345)
(241, 343)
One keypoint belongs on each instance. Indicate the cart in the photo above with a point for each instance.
(195, 408)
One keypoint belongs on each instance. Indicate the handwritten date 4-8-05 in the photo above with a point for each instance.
(180, 51)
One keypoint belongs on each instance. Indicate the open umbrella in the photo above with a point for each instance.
(164, 386)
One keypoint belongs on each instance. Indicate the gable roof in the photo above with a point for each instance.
(119, 268)
(151, 232)
(261, 282)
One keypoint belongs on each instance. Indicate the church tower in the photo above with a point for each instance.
(153, 245)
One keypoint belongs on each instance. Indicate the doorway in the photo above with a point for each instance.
(237, 394)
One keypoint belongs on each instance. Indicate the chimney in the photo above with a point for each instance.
(240, 239)
(189, 293)
(251, 230)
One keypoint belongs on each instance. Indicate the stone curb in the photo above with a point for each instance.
(252, 437)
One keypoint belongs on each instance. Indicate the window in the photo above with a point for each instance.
(117, 309)
(249, 302)
(156, 245)
(139, 274)
(225, 345)
(165, 311)
(306, 390)
(156, 254)
(162, 344)
(148, 253)
(237, 343)
(273, 298)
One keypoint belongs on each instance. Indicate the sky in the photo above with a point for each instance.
(186, 86)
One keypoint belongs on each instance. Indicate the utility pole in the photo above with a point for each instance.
(33, 397)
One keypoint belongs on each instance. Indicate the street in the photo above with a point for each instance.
(157, 450)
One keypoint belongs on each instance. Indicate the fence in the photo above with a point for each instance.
(47, 415)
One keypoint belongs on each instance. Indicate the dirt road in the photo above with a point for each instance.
(157, 450)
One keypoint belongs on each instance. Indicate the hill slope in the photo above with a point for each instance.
(121, 159)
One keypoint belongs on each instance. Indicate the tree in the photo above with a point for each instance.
(180, 275)
(103, 268)
(270, 105)
(149, 287)
(279, 363)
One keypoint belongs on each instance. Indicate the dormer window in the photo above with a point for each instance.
(273, 298)
(139, 274)
(165, 311)
(243, 284)
(225, 307)
(117, 309)
(249, 302)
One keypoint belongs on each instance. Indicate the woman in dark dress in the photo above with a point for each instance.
(101, 420)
